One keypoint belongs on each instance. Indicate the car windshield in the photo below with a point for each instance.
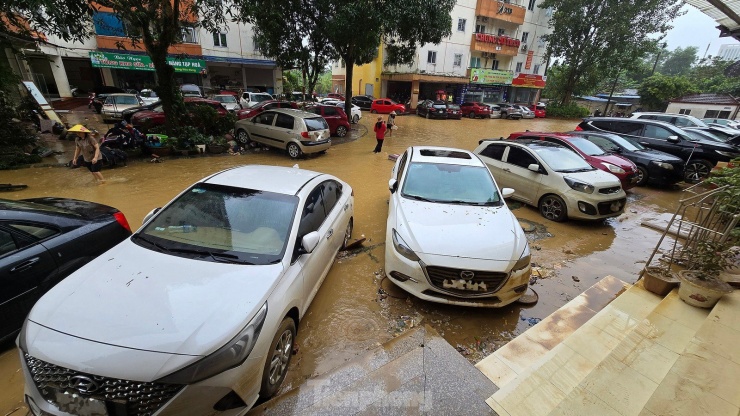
(122, 100)
(586, 146)
(258, 98)
(448, 183)
(562, 160)
(707, 135)
(225, 98)
(316, 123)
(223, 224)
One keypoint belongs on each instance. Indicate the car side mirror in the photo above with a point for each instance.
(615, 150)
(507, 192)
(150, 214)
(310, 241)
(673, 139)
(392, 185)
(534, 167)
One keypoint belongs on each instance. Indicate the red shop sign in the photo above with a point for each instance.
(499, 40)
(528, 80)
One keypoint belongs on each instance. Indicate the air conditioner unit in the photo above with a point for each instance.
(524, 47)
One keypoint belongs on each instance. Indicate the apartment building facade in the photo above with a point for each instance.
(225, 59)
(495, 53)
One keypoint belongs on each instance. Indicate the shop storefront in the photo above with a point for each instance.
(526, 88)
(487, 86)
(137, 71)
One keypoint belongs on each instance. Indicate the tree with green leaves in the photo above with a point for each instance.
(598, 39)
(656, 91)
(354, 30)
(67, 19)
(679, 61)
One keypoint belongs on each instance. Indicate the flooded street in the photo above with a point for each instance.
(356, 308)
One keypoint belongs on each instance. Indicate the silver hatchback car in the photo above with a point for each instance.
(298, 132)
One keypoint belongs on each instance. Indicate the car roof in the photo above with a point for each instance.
(557, 135)
(293, 112)
(634, 120)
(449, 155)
(279, 179)
(121, 95)
(530, 143)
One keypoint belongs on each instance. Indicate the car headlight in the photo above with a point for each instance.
(579, 186)
(229, 356)
(663, 165)
(613, 168)
(524, 260)
(727, 154)
(402, 248)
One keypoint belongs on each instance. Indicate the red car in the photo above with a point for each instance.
(143, 120)
(475, 110)
(335, 116)
(539, 110)
(386, 105)
(618, 166)
(336, 96)
(262, 106)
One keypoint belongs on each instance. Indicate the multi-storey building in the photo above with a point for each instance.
(729, 52)
(495, 53)
(227, 58)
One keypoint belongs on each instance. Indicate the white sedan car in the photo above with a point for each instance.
(356, 112)
(553, 178)
(197, 311)
(450, 237)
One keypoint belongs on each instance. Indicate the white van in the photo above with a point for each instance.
(250, 99)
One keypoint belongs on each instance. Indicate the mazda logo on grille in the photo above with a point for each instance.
(467, 274)
(84, 384)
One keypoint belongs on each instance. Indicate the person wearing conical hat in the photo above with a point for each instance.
(89, 148)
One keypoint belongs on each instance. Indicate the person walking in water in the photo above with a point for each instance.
(379, 130)
(391, 123)
(89, 147)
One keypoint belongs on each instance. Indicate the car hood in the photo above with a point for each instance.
(616, 160)
(658, 155)
(597, 178)
(490, 233)
(137, 298)
(146, 113)
(709, 144)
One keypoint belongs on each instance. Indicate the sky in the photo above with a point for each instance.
(696, 29)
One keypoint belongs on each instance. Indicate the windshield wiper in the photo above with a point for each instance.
(146, 240)
(418, 198)
(217, 257)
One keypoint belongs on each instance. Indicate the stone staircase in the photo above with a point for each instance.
(639, 354)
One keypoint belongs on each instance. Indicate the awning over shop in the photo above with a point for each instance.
(143, 62)
(529, 81)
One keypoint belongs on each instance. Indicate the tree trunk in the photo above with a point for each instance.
(349, 62)
(167, 91)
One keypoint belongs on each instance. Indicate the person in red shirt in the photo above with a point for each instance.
(380, 129)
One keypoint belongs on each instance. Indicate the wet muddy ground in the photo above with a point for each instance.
(357, 308)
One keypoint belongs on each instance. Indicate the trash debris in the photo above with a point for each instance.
(531, 321)
(575, 278)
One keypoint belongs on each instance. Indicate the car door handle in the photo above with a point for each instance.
(25, 265)
(329, 233)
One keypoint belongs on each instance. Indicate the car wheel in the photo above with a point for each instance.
(373, 111)
(427, 116)
(341, 131)
(278, 358)
(242, 137)
(642, 176)
(553, 208)
(347, 234)
(471, 114)
(355, 119)
(696, 170)
(294, 151)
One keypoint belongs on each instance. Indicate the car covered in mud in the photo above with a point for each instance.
(295, 131)
(553, 178)
(196, 313)
(450, 238)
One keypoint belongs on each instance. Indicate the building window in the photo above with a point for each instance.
(458, 60)
(501, 32)
(343, 65)
(685, 111)
(525, 36)
(432, 57)
(188, 35)
(536, 69)
(518, 67)
(531, 4)
(475, 62)
(495, 64)
(219, 39)
(461, 24)
(480, 29)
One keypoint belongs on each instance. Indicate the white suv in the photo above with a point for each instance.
(679, 120)
(450, 237)
(250, 99)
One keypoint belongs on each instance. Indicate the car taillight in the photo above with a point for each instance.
(578, 128)
(304, 134)
(121, 219)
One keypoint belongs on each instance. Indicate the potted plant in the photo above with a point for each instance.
(218, 144)
(659, 280)
(700, 284)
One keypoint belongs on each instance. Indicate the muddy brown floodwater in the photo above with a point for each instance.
(356, 308)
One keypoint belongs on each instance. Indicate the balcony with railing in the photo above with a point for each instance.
(501, 10)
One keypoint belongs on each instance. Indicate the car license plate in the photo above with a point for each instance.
(78, 405)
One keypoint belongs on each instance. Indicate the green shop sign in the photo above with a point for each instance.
(143, 62)
(490, 76)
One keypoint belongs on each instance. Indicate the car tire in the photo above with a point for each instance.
(373, 112)
(355, 119)
(341, 131)
(553, 208)
(642, 176)
(347, 234)
(696, 170)
(242, 137)
(471, 115)
(294, 151)
(278, 358)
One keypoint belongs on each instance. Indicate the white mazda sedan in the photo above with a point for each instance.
(450, 237)
(196, 313)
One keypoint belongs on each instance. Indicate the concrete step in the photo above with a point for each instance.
(417, 373)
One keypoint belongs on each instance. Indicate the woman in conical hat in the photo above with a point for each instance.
(88, 146)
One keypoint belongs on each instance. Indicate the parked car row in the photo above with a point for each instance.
(444, 109)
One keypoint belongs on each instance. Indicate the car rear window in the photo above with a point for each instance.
(25, 206)
(315, 123)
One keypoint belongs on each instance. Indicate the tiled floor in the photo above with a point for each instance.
(638, 355)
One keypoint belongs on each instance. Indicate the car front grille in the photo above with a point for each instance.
(122, 397)
(605, 208)
(610, 190)
(465, 283)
